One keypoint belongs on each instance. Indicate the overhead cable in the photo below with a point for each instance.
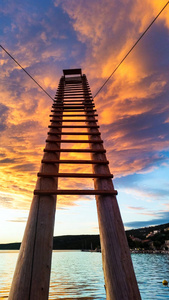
(130, 50)
(26, 72)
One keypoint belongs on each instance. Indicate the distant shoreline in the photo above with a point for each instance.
(132, 251)
(66, 242)
(137, 239)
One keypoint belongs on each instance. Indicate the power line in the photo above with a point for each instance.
(26, 72)
(130, 50)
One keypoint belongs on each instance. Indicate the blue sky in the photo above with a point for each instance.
(49, 36)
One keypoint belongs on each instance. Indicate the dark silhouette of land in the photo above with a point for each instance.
(65, 242)
(154, 237)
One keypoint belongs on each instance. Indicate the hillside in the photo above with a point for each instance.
(142, 232)
(137, 238)
(66, 242)
(149, 238)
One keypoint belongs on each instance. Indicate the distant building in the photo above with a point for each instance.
(167, 243)
(135, 239)
(156, 231)
(152, 233)
(149, 234)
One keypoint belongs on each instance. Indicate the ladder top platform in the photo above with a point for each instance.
(72, 72)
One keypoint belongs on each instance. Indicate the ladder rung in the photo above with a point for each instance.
(73, 88)
(73, 126)
(74, 110)
(75, 150)
(73, 107)
(70, 161)
(70, 101)
(57, 115)
(70, 106)
(75, 175)
(74, 141)
(76, 96)
(75, 192)
(73, 120)
(75, 93)
(62, 104)
(77, 90)
(73, 133)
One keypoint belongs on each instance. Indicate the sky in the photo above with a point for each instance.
(51, 35)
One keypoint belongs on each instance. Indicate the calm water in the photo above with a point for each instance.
(78, 275)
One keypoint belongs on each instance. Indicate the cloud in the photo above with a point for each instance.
(7, 161)
(136, 207)
(18, 220)
(25, 167)
(131, 106)
(160, 218)
(95, 35)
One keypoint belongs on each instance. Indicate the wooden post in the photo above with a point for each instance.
(32, 274)
(120, 281)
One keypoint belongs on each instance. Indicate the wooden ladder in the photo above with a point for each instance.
(73, 105)
(72, 98)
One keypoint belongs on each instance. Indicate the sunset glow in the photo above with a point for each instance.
(133, 108)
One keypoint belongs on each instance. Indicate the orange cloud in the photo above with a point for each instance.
(132, 107)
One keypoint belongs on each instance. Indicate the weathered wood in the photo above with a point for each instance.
(72, 89)
(73, 104)
(71, 107)
(75, 175)
(120, 281)
(72, 93)
(70, 101)
(65, 103)
(75, 150)
(73, 141)
(73, 126)
(73, 110)
(79, 93)
(57, 115)
(76, 97)
(58, 120)
(75, 192)
(73, 133)
(72, 72)
(70, 161)
(32, 272)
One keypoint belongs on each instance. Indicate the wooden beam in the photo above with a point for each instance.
(32, 273)
(70, 161)
(75, 192)
(120, 281)
(75, 175)
(75, 150)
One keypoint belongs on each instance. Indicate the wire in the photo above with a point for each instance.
(130, 50)
(26, 72)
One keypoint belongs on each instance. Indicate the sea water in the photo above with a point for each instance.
(79, 275)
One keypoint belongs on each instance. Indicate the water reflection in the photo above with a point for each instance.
(7, 265)
(78, 275)
(151, 270)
